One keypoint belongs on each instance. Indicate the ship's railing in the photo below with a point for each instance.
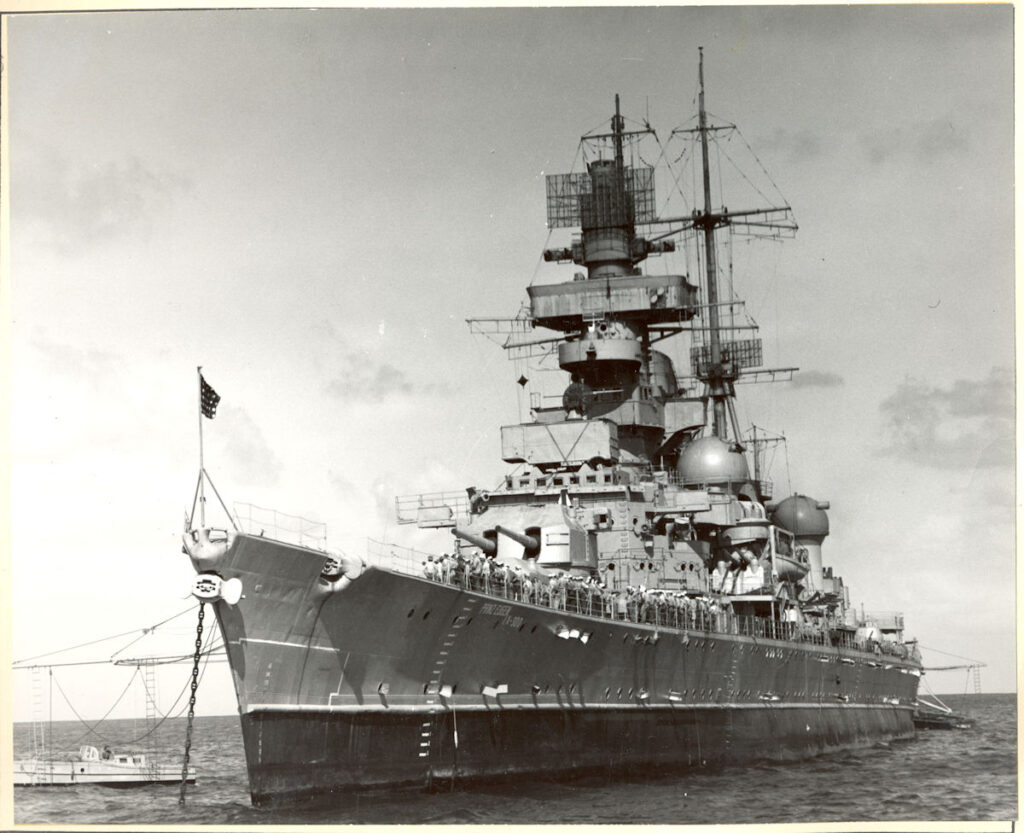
(292, 529)
(673, 610)
(393, 557)
(588, 597)
(432, 508)
(884, 619)
(672, 477)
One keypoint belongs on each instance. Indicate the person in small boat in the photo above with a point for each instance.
(107, 754)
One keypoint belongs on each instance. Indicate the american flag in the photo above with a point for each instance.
(210, 398)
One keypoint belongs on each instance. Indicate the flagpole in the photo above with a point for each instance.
(202, 470)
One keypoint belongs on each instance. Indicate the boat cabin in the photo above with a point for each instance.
(91, 753)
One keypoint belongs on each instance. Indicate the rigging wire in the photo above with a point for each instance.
(676, 188)
(760, 165)
(948, 654)
(207, 652)
(105, 639)
(166, 660)
(164, 717)
(724, 152)
(789, 486)
(92, 727)
(718, 171)
(143, 635)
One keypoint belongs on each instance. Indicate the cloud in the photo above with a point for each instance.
(925, 141)
(384, 497)
(82, 206)
(341, 484)
(362, 378)
(359, 377)
(969, 424)
(816, 379)
(993, 397)
(785, 146)
(86, 366)
(69, 401)
(939, 138)
(249, 457)
(358, 374)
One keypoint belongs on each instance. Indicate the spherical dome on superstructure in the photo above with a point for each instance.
(804, 516)
(712, 460)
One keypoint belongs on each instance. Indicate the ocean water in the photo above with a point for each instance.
(939, 776)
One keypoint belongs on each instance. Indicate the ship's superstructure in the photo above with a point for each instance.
(630, 595)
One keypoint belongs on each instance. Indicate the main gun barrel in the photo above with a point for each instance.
(528, 541)
(485, 544)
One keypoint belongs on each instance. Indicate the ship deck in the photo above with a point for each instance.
(672, 610)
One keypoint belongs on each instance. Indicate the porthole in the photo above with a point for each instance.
(630, 693)
(469, 621)
(533, 629)
(522, 626)
(607, 691)
(425, 615)
(412, 610)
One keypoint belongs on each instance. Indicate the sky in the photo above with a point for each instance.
(310, 204)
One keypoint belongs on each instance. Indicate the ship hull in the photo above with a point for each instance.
(307, 755)
(392, 680)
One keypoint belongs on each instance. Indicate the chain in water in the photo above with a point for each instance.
(192, 700)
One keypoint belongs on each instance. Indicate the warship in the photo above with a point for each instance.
(631, 598)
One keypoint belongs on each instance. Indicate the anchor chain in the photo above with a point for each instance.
(192, 700)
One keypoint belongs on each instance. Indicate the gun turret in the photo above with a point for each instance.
(529, 541)
(488, 546)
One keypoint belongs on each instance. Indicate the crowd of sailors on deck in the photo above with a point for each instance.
(588, 595)
(578, 594)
